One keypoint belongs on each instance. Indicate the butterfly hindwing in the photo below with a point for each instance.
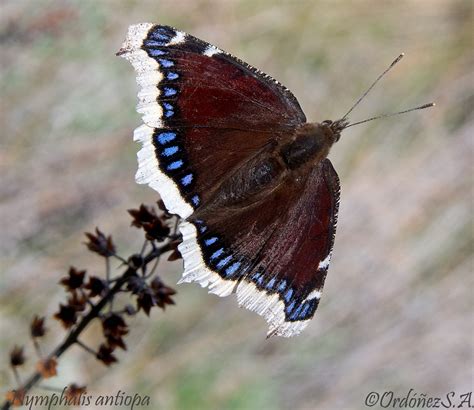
(273, 254)
(204, 113)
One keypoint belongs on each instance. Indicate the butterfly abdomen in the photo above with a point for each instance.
(250, 181)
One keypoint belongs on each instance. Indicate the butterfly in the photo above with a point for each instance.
(230, 151)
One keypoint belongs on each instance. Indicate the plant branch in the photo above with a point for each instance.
(95, 310)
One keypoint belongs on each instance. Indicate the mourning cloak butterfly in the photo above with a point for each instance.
(229, 150)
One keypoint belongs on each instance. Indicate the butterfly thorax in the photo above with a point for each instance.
(310, 144)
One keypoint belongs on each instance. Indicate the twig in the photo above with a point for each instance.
(95, 308)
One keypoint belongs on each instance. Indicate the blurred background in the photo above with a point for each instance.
(397, 311)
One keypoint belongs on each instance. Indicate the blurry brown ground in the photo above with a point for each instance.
(397, 311)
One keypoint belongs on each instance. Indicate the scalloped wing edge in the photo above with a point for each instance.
(270, 307)
(148, 76)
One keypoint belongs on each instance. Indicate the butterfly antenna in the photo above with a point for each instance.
(421, 107)
(373, 84)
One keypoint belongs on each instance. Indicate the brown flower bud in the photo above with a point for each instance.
(146, 300)
(162, 293)
(99, 243)
(67, 315)
(96, 286)
(78, 301)
(73, 393)
(105, 355)
(142, 215)
(37, 328)
(113, 324)
(74, 280)
(17, 357)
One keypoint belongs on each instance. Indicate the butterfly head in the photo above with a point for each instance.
(335, 127)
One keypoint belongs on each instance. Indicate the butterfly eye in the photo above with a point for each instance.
(327, 122)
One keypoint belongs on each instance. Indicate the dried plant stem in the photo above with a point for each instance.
(17, 376)
(85, 347)
(73, 337)
(37, 348)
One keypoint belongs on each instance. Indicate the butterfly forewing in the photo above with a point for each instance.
(204, 113)
(211, 88)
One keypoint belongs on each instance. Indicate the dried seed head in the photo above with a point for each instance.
(77, 301)
(146, 300)
(113, 324)
(100, 244)
(37, 328)
(162, 293)
(96, 286)
(73, 393)
(67, 315)
(17, 357)
(105, 355)
(74, 280)
(142, 215)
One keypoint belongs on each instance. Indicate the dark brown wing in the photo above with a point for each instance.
(205, 112)
(274, 253)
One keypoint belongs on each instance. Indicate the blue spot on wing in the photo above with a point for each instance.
(169, 91)
(224, 262)
(170, 109)
(167, 152)
(271, 283)
(257, 275)
(155, 52)
(282, 285)
(196, 200)
(288, 294)
(186, 180)
(306, 307)
(172, 76)
(162, 34)
(217, 253)
(159, 37)
(294, 315)
(166, 137)
(290, 307)
(199, 223)
(232, 268)
(155, 43)
(166, 63)
(175, 165)
(303, 311)
(210, 241)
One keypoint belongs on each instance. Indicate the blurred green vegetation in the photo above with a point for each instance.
(397, 308)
